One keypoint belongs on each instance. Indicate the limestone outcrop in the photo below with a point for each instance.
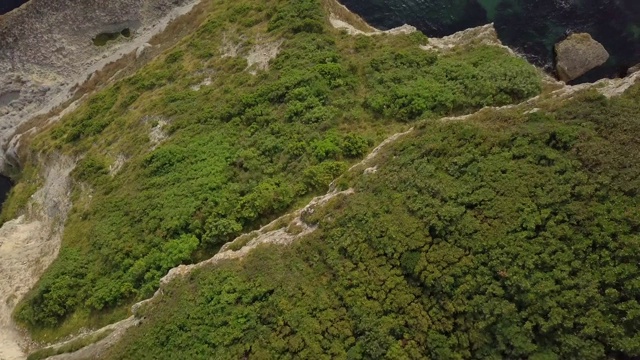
(29, 244)
(47, 48)
(578, 54)
(634, 69)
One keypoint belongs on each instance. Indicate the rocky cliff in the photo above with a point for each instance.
(47, 49)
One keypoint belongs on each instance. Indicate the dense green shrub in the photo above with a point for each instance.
(298, 16)
(512, 237)
(56, 293)
(238, 152)
(90, 168)
(410, 84)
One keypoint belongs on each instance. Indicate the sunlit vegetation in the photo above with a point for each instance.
(505, 236)
(235, 153)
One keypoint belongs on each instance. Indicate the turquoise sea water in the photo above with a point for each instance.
(530, 26)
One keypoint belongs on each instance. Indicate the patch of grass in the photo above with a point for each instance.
(243, 240)
(295, 229)
(81, 319)
(69, 347)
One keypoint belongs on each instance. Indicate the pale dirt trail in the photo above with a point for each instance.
(19, 251)
(28, 245)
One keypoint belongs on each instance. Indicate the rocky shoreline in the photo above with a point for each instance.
(530, 28)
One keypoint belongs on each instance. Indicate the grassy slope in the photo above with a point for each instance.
(503, 236)
(240, 151)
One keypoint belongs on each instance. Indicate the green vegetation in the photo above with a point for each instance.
(27, 183)
(69, 347)
(240, 151)
(505, 236)
(407, 85)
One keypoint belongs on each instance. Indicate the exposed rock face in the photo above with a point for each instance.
(46, 47)
(633, 69)
(29, 244)
(481, 35)
(578, 54)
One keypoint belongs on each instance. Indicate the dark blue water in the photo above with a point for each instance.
(530, 26)
(5, 187)
(8, 5)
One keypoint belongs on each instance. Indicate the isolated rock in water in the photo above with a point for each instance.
(578, 54)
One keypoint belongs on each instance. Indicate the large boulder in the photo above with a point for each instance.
(578, 54)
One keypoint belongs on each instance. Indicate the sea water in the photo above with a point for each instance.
(8, 5)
